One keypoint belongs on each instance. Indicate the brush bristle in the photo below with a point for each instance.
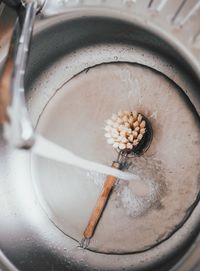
(125, 130)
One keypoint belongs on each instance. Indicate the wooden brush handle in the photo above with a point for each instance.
(100, 204)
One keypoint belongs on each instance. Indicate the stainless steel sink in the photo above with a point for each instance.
(70, 38)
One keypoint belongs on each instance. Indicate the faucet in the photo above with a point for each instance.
(17, 127)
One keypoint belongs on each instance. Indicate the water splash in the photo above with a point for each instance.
(152, 176)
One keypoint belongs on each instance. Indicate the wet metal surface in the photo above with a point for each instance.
(62, 48)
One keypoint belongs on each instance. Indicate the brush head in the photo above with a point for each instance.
(125, 130)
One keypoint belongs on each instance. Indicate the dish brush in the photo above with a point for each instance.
(129, 133)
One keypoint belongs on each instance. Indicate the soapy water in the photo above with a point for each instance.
(45, 148)
(137, 205)
(140, 187)
(137, 198)
(152, 175)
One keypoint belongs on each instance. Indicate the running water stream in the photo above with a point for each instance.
(45, 148)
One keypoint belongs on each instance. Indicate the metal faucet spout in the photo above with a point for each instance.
(17, 127)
